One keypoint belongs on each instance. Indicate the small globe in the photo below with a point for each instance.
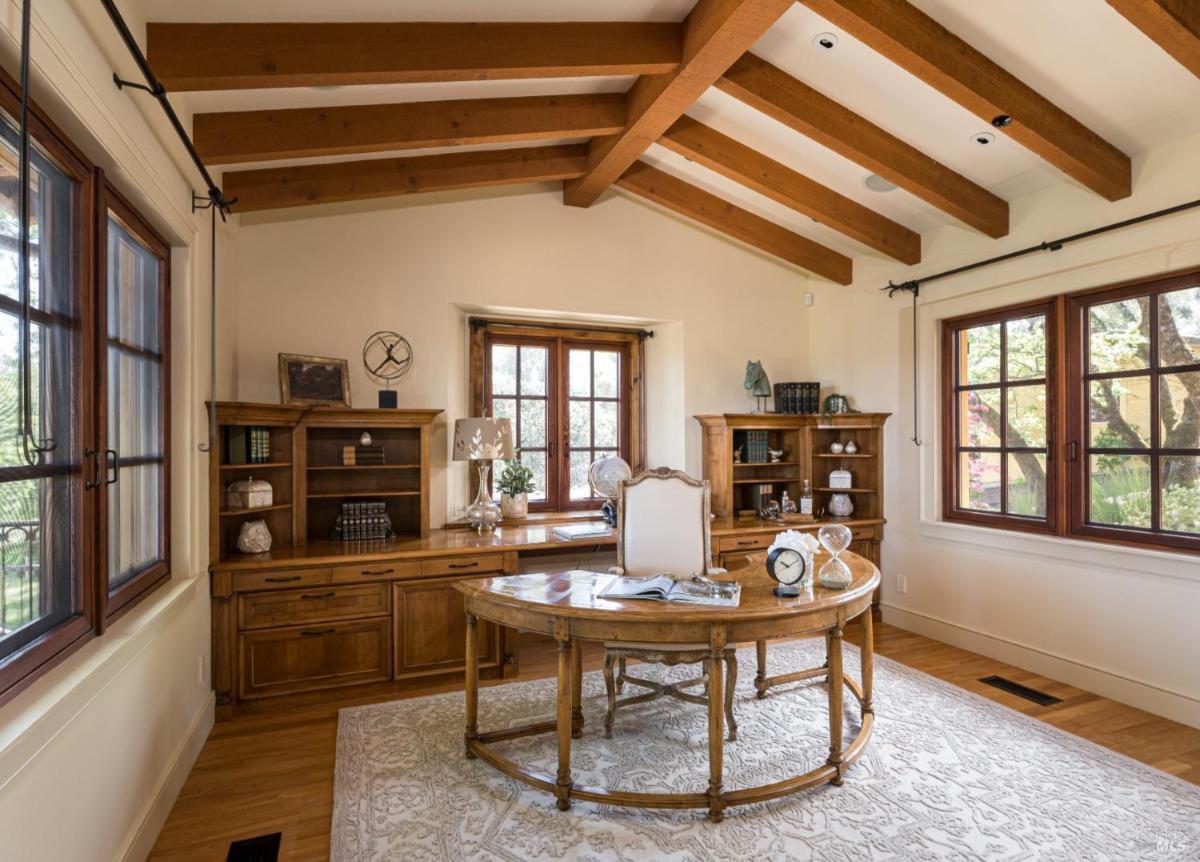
(606, 475)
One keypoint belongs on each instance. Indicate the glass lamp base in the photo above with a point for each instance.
(483, 514)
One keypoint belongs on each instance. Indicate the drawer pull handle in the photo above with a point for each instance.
(283, 580)
(377, 572)
(328, 595)
(463, 565)
(745, 542)
(318, 633)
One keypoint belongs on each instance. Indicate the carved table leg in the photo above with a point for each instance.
(610, 689)
(576, 689)
(833, 645)
(716, 730)
(620, 675)
(731, 674)
(472, 685)
(760, 678)
(565, 674)
(868, 661)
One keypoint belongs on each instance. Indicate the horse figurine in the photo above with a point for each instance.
(756, 381)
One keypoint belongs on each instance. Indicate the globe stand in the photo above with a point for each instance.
(609, 513)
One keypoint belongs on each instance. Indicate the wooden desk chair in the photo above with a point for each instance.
(663, 526)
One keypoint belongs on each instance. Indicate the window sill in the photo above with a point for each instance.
(40, 712)
(1164, 564)
(536, 519)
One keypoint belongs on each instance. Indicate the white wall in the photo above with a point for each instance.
(1116, 621)
(103, 741)
(319, 281)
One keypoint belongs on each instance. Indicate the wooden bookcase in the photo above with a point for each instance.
(308, 478)
(805, 440)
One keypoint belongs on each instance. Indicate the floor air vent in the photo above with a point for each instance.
(1030, 694)
(263, 848)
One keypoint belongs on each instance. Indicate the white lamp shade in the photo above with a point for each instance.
(484, 439)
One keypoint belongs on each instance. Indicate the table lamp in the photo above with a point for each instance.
(484, 439)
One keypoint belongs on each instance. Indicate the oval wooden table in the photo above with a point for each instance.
(565, 605)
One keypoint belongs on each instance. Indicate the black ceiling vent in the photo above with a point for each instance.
(263, 848)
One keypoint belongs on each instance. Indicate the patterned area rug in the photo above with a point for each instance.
(947, 776)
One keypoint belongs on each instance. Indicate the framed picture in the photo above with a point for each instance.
(313, 380)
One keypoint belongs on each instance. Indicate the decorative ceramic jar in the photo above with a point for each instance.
(841, 479)
(840, 506)
(249, 493)
(836, 447)
(514, 505)
(851, 447)
(254, 538)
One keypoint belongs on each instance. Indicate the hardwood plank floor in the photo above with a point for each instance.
(273, 772)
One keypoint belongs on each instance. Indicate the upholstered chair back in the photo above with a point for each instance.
(663, 524)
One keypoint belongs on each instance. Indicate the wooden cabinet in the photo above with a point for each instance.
(296, 659)
(430, 629)
(322, 604)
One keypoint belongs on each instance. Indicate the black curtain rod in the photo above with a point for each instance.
(914, 285)
(155, 88)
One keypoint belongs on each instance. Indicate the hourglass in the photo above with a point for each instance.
(834, 573)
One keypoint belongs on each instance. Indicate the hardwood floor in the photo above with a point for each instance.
(274, 772)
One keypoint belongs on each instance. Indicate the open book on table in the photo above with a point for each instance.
(665, 588)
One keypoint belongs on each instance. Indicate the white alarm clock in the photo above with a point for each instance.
(787, 566)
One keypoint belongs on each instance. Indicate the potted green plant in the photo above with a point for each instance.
(515, 484)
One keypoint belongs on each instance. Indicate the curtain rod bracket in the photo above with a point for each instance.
(122, 84)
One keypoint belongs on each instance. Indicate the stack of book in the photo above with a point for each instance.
(797, 397)
(360, 456)
(247, 444)
(756, 446)
(365, 520)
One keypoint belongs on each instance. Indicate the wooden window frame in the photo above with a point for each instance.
(1067, 417)
(951, 511)
(560, 338)
(92, 607)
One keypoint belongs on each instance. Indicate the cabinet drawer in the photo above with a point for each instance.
(293, 607)
(246, 581)
(472, 565)
(303, 658)
(744, 543)
(384, 571)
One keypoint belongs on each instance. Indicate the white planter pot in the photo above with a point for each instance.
(514, 505)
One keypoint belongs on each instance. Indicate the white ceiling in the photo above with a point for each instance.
(1081, 54)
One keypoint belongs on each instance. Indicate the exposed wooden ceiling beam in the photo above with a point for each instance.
(244, 55)
(273, 188)
(715, 34)
(911, 39)
(721, 153)
(687, 200)
(1173, 24)
(793, 103)
(254, 136)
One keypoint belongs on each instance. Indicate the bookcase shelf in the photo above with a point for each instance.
(266, 465)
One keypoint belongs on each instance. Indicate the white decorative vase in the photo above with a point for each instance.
(254, 538)
(840, 506)
(514, 505)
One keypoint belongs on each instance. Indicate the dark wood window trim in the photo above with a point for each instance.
(952, 508)
(559, 339)
(1068, 401)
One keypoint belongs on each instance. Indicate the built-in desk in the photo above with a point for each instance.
(303, 622)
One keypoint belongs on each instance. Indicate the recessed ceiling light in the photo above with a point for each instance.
(827, 41)
(982, 139)
(877, 183)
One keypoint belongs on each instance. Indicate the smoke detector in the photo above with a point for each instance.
(982, 139)
(877, 183)
(825, 41)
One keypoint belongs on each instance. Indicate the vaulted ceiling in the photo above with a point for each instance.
(762, 119)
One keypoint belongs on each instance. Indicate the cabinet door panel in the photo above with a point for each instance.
(431, 629)
(304, 658)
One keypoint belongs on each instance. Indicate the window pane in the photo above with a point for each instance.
(1025, 347)
(134, 504)
(533, 423)
(1120, 490)
(1119, 335)
(1026, 416)
(1181, 494)
(1179, 327)
(1119, 416)
(580, 417)
(1179, 410)
(1027, 484)
(133, 290)
(979, 417)
(505, 408)
(979, 481)
(134, 404)
(536, 461)
(504, 369)
(579, 381)
(979, 355)
(607, 373)
(533, 370)
(606, 423)
(581, 462)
